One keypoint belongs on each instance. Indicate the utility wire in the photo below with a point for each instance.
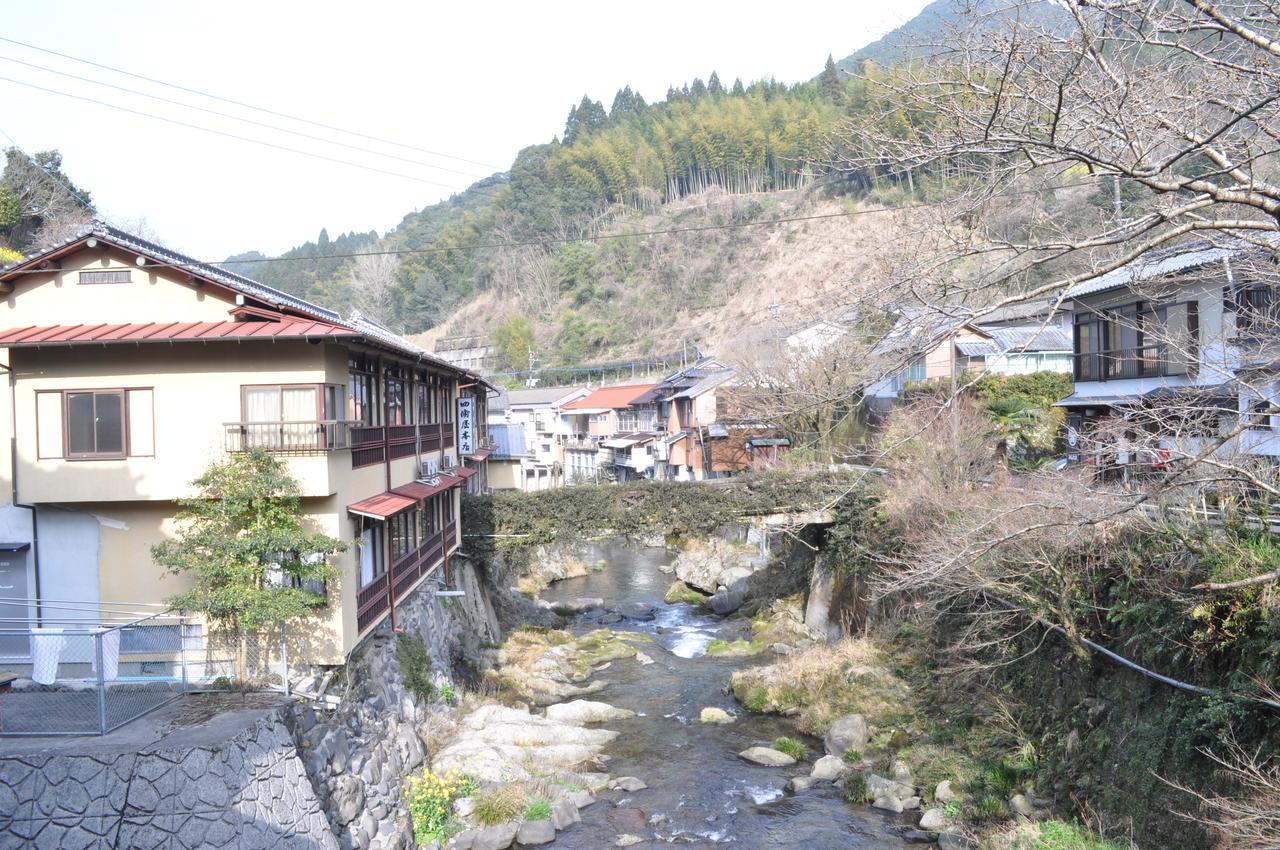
(248, 105)
(236, 136)
(233, 117)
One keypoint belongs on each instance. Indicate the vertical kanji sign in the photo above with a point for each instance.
(466, 425)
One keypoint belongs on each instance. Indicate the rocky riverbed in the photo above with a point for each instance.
(622, 731)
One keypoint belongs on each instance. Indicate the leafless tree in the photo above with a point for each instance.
(374, 278)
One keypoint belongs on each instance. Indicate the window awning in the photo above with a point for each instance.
(618, 444)
(425, 488)
(977, 348)
(382, 506)
(463, 472)
(480, 455)
(1078, 400)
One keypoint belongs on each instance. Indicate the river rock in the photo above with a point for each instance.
(711, 714)
(347, 799)
(639, 611)
(498, 837)
(581, 799)
(889, 803)
(627, 818)
(701, 564)
(934, 820)
(642, 659)
(627, 840)
(1020, 805)
(564, 813)
(536, 832)
(901, 772)
(878, 786)
(847, 733)
(801, 783)
(581, 712)
(630, 784)
(945, 793)
(767, 756)
(572, 607)
(827, 769)
(495, 743)
(610, 619)
(729, 599)
(463, 840)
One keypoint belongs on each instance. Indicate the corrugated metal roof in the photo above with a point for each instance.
(705, 384)
(611, 398)
(32, 336)
(1158, 264)
(1030, 337)
(540, 395)
(977, 348)
(382, 506)
(425, 489)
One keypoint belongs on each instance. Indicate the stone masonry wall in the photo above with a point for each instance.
(247, 792)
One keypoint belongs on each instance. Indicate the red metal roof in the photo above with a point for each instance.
(610, 397)
(420, 490)
(463, 471)
(480, 455)
(382, 506)
(168, 332)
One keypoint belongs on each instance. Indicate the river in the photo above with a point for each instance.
(709, 795)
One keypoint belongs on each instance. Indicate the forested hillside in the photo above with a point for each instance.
(524, 243)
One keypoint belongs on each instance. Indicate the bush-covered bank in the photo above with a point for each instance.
(510, 520)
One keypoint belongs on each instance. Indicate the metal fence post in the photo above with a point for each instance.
(182, 652)
(284, 659)
(102, 684)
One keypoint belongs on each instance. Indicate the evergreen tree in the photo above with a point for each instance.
(738, 90)
(571, 125)
(713, 84)
(829, 82)
(698, 89)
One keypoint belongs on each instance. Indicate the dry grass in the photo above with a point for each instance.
(825, 682)
(500, 804)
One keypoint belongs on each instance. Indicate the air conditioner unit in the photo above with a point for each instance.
(448, 462)
(430, 467)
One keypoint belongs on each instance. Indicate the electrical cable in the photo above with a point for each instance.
(246, 105)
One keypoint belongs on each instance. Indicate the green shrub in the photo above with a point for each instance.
(986, 808)
(415, 666)
(796, 749)
(852, 756)
(429, 798)
(855, 790)
(447, 694)
(1056, 835)
(539, 809)
(757, 700)
(500, 805)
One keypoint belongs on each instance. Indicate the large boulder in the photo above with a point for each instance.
(571, 607)
(934, 820)
(498, 837)
(533, 832)
(581, 712)
(641, 611)
(711, 714)
(945, 793)
(767, 756)
(726, 600)
(701, 563)
(847, 733)
(500, 744)
(827, 769)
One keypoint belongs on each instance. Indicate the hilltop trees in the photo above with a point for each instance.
(38, 202)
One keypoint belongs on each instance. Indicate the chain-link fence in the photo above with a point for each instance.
(87, 673)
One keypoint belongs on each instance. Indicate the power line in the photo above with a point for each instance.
(236, 136)
(233, 117)
(249, 105)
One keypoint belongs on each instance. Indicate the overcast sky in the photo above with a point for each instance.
(475, 80)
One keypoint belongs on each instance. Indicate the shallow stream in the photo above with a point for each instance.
(709, 795)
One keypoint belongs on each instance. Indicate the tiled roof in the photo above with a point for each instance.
(1157, 264)
(610, 397)
(539, 395)
(382, 506)
(32, 336)
(161, 256)
(705, 384)
(1037, 337)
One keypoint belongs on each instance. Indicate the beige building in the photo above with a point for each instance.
(131, 369)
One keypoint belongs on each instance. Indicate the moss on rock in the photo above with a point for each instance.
(681, 592)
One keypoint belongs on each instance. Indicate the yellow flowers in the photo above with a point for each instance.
(430, 799)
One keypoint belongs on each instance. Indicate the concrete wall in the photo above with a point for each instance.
(248, 791)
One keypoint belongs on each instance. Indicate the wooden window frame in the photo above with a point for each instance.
(122, 392)
(244, 408)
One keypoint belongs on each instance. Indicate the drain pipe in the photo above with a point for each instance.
(13, 477)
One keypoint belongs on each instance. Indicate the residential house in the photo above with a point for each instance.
(537, 413)
(942, 349)
(607, 434)
(1189, 329)
(132, 368)
(689, 402)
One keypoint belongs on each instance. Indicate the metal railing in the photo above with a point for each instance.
(299, 437)
(88, 670)
(582, 443)
(1147, 361)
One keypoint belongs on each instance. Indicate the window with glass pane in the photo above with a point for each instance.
(395, 402)
(95, 424)
(291, 409)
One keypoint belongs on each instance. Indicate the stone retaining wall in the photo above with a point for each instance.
(247, 792)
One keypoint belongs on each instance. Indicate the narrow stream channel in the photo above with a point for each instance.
(708, 794)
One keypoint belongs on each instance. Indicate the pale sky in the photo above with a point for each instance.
(475, 80)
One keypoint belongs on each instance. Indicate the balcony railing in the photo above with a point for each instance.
(581, 443)
(1148, 361)
(301, 437)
